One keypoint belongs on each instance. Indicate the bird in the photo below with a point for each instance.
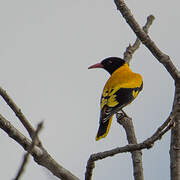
(121, 89)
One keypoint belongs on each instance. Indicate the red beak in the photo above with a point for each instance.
(98, 65)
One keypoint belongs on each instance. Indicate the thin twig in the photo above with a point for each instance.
(131, 49)
(26, 156)
(18, 113)
(148, 143)
(40, 155)
(146, 40)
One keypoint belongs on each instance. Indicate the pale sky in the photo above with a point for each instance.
(45, 50)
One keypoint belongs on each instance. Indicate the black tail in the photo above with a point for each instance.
(104, 129)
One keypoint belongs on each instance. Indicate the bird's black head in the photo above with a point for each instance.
(110, 64)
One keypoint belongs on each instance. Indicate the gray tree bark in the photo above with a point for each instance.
(175, 137)
(136, 155)
(42, 157)
(175, 74)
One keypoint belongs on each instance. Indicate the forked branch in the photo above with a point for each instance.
(26, 156)
(132, 48)
(146, 40)
(127, 122)
(17, 111)
(40, 155)
(148, 143)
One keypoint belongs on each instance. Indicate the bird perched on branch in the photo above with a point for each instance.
(120, 90)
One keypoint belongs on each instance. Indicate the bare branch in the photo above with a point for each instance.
(131, 49)
(173, 71)
(146, 40)
(148, 143)
(26, 156)
(175, 137)
(40, 155)
(127, 124)
(17, 111)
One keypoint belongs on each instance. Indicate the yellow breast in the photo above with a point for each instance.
(123, 77)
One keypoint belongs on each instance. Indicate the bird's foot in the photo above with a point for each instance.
(121, 114)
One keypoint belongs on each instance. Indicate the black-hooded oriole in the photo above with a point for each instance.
(120, 90)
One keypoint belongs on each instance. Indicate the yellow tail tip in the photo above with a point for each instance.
(107, 130)
(100, 137)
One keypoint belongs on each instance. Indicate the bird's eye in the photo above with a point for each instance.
(110, 62)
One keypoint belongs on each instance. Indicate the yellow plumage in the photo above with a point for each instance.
(120, 90)
(123, 77)
(107, 130)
